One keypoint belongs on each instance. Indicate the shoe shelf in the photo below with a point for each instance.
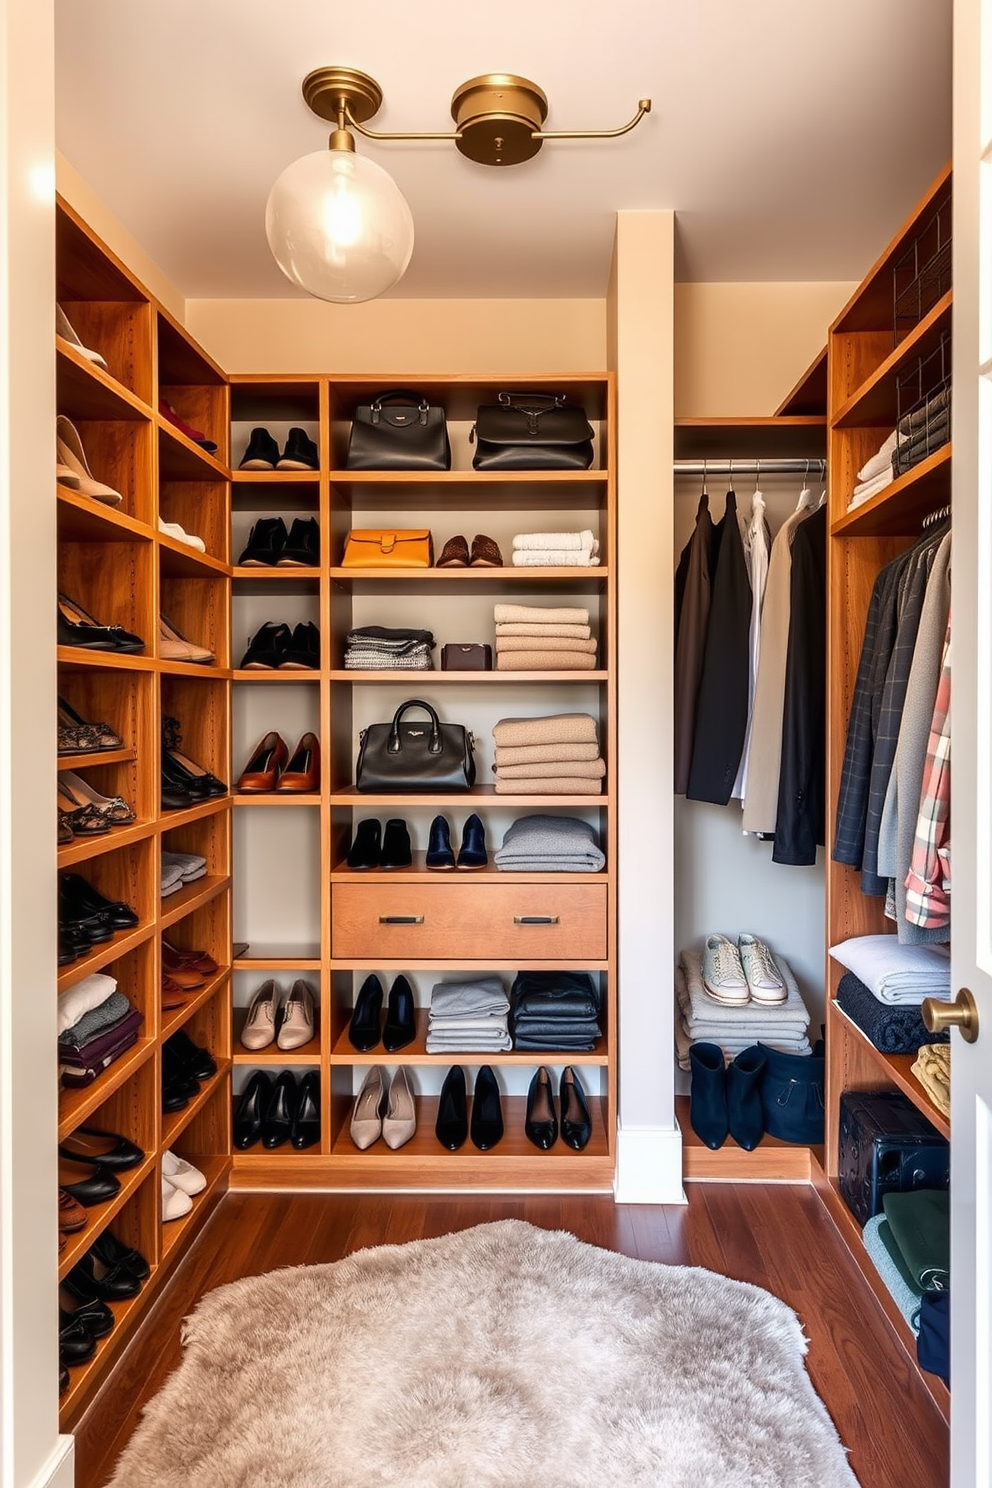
(99, 1216)
(772, 1161)
(180, 459)
(307, 578)
(274, 674)
(496, 581)
(85, 520)
(177, 906)
(276, 798)
(343, 1052)
(177, 1233)
(185, 816)
(110, 661)
(175, 1018)
(365, 800)
(91, 393)
(175, 1123)
(75, 1106)
(308, 1053)
(121, 942)
(85, 1379)
(179, 561)
(294, 959)
(487, 679)
(420, 873)
(81, 849)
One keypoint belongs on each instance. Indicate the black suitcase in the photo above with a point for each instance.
(886, 1146)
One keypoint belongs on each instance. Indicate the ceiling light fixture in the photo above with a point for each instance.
(337, 223)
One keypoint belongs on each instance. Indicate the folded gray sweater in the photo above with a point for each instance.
(563, 844)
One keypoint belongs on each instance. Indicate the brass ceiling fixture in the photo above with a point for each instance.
(499, 116)
(337, 223)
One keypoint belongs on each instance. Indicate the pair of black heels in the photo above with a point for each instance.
(279, 1110)
(541, 1124)
(184, 1065)
(184, 782)
(400, 1026)
(109, 1272)
(452, 1126)
(87, 918)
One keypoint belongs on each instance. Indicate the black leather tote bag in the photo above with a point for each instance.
(398, 431)
(422, 756)
(531, 431)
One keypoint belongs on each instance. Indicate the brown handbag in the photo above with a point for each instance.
(380, 547)
(473, 657)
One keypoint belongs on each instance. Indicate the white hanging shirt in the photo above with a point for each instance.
(757, 544)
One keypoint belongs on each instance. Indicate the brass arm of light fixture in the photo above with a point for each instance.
(385, 134)
(643, 107)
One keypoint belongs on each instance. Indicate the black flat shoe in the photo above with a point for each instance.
(576, 1123)
(91, 1278)
(277, 1122)
(76, 1343)
(487, 1112)
(401, 1023)
(192, 1059)
(366, 845)
(267, 647)
(451, 1126)
(250, 1109)
(109, 1250)
(174, 798)
(300, 452)
(92, 929)
(302, 548)
(302, 652)
(439, 853)
(87, 1182)
(305, 1130)
(108, 1150)
(78, 628)
(266, 541)
(472, 853)
(95, 1316)
(182, 770)
(541, 1123)
(262, 452)
(364, 1028)
(396, 851)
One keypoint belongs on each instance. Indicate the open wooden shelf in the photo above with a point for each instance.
(190, 897)
(82, 848)
(350, 796)
(83, 519)
(76, 1105)
(101, 955)
(99, 1216)
(795, 437)
(174, 1018)
(894, 1069)
(174, 1123)
(95, 757)
(344, 1052)
(874, 403)
(772, 1161)
(402, 679)
(177, 1232)
(418, 871)
(899, 509)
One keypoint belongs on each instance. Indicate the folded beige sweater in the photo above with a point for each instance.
(532, 754)
(524, 628)
(544, 785)
(534, 643)
(544, 661)
(555, 728)
(552, 769)
(539, 615)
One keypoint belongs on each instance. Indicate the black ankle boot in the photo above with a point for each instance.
(744, 1113)
(396, 851)
(708, 1099)
(366, 847)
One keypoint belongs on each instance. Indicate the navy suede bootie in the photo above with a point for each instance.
(708, 1097)
(744, 1110)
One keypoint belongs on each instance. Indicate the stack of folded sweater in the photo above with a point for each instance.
(932, 1067)
(377, 648)
(531, 638)
(555, 1010)
(552, 756)
(923, 431)
(549, 844)
(96, 1024)
(701, 1019)
(469, 1018)
(910, 1245)
(556, 549)
(179, 869)
(875, 474)
(893, 1028)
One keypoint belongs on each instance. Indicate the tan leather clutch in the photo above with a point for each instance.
(376, 547)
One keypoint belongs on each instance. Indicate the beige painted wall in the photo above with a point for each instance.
(740, 348)
(402, 336)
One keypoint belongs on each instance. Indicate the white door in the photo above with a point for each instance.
(971, 759)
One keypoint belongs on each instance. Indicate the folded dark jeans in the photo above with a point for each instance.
(550, 992)
(553, 1029)
(568, 1045)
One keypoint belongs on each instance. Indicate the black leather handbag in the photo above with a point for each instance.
(398, 431)
(401, 757)
(531, 431)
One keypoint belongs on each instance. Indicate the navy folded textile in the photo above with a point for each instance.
(890, 1027)
(554, 994)
(566, 1045)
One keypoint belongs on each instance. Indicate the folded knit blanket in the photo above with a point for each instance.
(96, 1020)
(554, 843)
(547, 639)
(897, 973)
(894, 1030)
(573, 993)
(540, 615)
(388, 638)
(463, 999)
(554, 728)
(533, 754)
(563, 629)
(788, 1017)
(932, 1067)
(548, 785)
(890, 1266)
(377, 661)
(731, 1046)
(920, 1221)
(83, 997)
(590, 769)
(870, 488)
(555, 558)
(545, 661)
(574, 540)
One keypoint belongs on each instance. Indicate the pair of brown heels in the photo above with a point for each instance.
(484, 553)
(272, 768)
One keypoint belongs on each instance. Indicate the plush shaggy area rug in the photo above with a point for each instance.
(501, 1355)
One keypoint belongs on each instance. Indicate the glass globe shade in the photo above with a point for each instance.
(339, 226)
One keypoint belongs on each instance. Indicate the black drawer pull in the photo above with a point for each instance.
(401, 919)
(535, 919)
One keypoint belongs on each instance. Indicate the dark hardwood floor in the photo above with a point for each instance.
(777, 1236)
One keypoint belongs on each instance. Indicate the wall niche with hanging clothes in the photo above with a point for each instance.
(750, 729)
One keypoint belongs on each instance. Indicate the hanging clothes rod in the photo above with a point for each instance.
(750, 467)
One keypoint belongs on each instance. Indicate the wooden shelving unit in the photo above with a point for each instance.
(116, 562)
(864, 364)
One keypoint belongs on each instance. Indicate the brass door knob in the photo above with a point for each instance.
(962, 1014)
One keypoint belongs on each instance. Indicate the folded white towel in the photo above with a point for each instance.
(86, 995)
(894, 973)
(540, 614)
(871, 488)
(880, 461)
(585, 539)
(555, 558)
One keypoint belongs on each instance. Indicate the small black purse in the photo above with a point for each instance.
(531, 431)
(413, 757)
(398, 431)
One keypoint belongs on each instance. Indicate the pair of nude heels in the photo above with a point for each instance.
(72, 469)
(378, 1112)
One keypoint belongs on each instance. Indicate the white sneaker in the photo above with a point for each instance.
(723, 974)
(182, 1175)
(764, 979)
(175, 1203)
(173, 529)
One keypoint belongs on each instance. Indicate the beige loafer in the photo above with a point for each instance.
(297, 1026)
(400, 1120)
(366, 1116)
(260, 1024)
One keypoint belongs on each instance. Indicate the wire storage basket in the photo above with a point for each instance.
(923, 407)
(922, 275)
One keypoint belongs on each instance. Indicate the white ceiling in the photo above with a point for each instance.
(790, 136)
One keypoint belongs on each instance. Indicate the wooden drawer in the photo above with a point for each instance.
(457, 921)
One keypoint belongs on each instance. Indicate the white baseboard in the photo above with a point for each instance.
(649, 1166)
(59, 1471)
